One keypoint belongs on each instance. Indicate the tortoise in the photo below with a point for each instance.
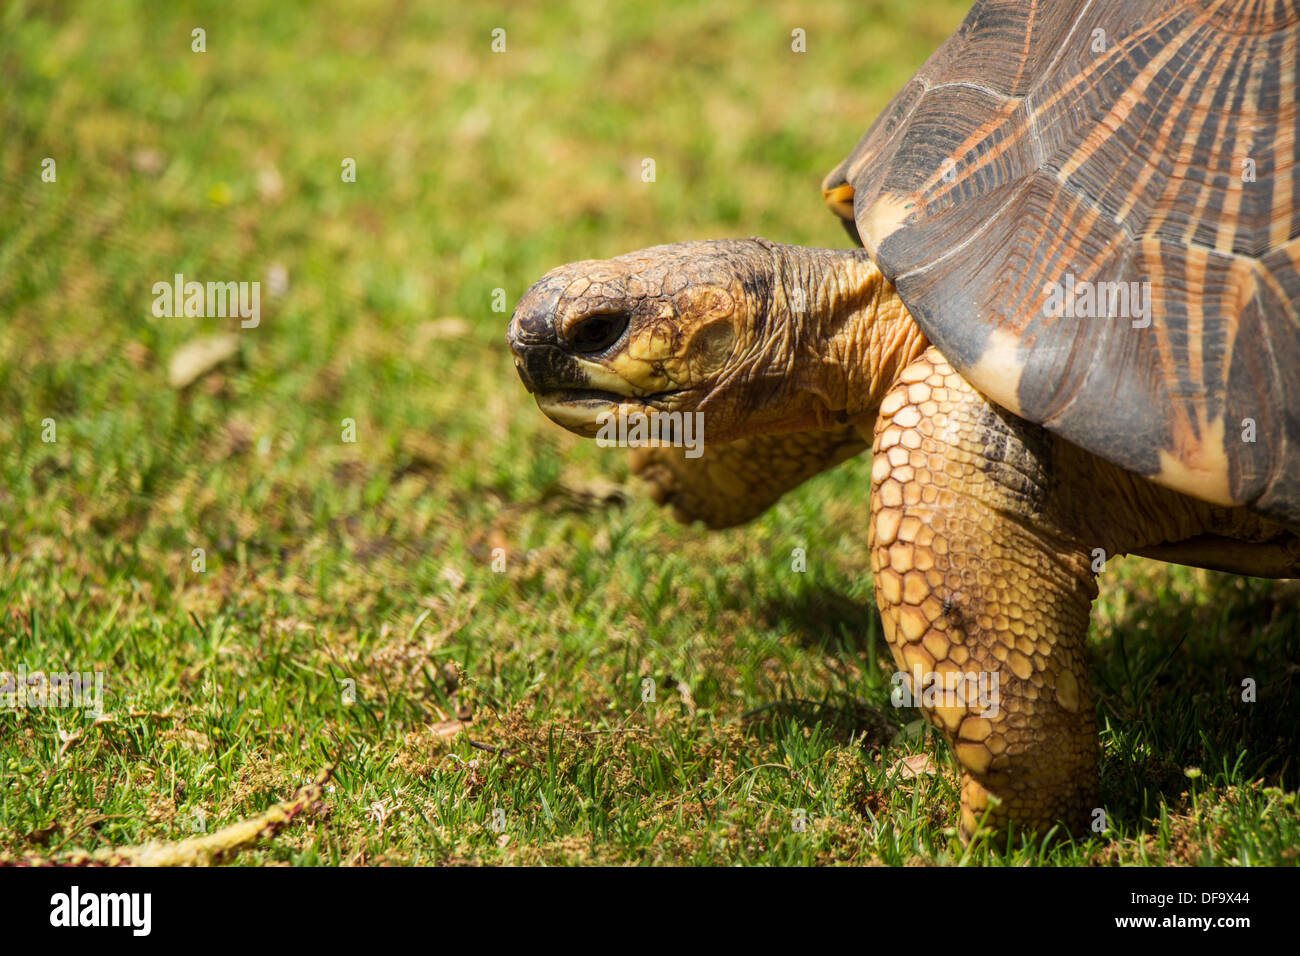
(1072, 332)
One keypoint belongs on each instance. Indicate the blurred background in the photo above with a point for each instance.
(474, 171)
(235, 522)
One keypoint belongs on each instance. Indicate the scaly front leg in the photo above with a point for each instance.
(732, 483)
(978, 572)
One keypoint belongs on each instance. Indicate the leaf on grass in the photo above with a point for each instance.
(192, 739)
(433, 330)
(218, 847)
(41, 835)
(149, 161)
(200, 356)
(688, 698)
(913, 766)
(446, 729)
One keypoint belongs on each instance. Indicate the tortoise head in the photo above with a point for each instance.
(732, 329)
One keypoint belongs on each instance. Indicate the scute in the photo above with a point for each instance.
(1153, 144)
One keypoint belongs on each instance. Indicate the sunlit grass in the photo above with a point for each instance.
(770, 738)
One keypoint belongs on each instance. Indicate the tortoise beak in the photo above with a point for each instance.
(570, 390)
(551, 361)
(541, 363)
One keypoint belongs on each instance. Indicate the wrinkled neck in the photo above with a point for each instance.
(848, 333)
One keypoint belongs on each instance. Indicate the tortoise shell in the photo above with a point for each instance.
(1091, 208)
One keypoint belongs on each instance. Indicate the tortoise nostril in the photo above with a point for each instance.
(596, 333)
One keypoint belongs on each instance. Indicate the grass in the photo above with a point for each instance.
(516, 689)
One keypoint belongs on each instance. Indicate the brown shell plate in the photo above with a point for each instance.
(1091, 208)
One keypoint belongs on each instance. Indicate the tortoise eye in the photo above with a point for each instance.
(598, 332)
